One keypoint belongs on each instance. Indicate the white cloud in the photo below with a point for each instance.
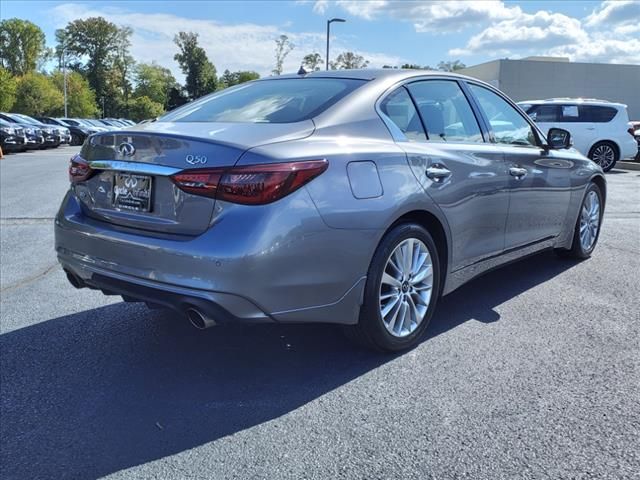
(241, 46)
(428, 16)
(621, 15)
(556, 34)
(509, 31)
(320, 7)
(526, 32)
(602, 49)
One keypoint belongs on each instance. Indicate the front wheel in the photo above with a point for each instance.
(402, 289)
(76, 139)
(587, 229)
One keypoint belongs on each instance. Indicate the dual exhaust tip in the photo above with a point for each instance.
(199, 319)
(196, 317)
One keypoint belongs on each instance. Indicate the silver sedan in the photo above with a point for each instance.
(353, 197)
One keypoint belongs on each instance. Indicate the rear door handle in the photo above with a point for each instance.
(438, 172)
(518, 172)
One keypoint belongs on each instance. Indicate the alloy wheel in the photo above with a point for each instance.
(589, 220)
(604, 155)
(406, 287)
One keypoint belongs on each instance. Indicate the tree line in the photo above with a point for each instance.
(103, 79)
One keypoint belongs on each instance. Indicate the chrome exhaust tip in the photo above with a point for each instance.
(199, 320)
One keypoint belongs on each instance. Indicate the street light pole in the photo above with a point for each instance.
(329, 22)
(64, 69)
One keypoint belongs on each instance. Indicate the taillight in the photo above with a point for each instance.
(79, 169)
(631, 132)
(250, 184)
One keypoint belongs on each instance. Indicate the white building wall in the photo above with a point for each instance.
(535, 80)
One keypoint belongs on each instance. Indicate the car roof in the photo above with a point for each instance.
(366, 74)
(577, 101)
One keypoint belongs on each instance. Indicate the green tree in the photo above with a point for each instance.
(312, 62)
(142, 108)
(37, 95)
(229, 79)
(451, 66)
(348, 61)
(199, 71)
(177, 97)
(155, 82)
(8, 85)
(81, 100)
(415, 66)
(283, 48)
(96, 40)
(123, 63)
(22, 46)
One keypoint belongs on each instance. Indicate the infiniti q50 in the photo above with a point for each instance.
(353, 197)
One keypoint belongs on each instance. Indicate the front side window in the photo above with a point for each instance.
(267, 101)
(399, 108)
(445, 111)
(508, 126)
(543, 113)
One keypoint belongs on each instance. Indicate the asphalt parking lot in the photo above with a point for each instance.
(532, 371)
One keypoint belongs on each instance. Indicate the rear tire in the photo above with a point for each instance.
(587, 229)
(401, 293)
(604, 154)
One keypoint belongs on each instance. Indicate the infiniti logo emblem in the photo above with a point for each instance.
(131, 182)
(127, 149)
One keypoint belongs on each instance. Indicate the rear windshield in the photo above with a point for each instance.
(267, 101)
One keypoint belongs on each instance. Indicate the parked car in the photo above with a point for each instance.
(99, 123)
(78, 122)
(356, 197)
(77, 134)
(12, 137)
(61, 132)
(636, 135)
(51, 135)
(599, 129)
(34, 135)
(116, 122)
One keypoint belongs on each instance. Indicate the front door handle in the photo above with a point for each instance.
(518, 172)
(438, 172)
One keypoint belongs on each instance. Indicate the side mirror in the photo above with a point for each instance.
(558, 138)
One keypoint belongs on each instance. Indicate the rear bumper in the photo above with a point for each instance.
(221, 307)
(629, 148)
(255, 264)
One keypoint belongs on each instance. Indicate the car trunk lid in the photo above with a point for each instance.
(132, 184)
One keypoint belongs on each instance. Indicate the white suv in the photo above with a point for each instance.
(599, 129)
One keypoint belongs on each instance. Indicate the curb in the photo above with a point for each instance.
(628, 165)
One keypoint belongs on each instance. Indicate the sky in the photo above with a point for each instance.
(240, 35)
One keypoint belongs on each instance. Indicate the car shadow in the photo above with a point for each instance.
(92, 393)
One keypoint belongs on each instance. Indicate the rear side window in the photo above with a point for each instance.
(399, 108)
(267, 101)
(570, 113)
(597, 114)
(587, 113)
(445, 111)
